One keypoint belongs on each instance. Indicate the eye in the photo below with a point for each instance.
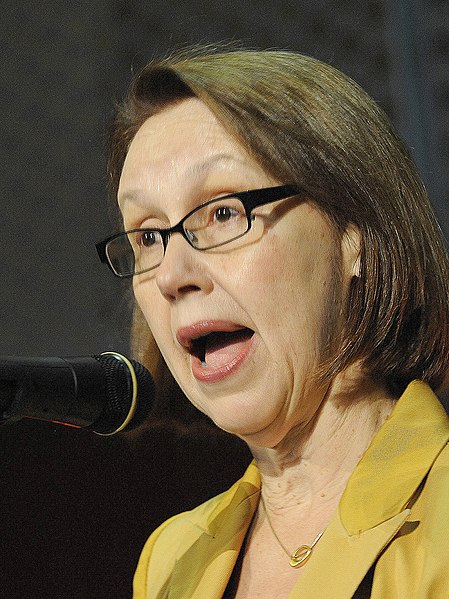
(148, 239)
(225, 213)
(220, 215)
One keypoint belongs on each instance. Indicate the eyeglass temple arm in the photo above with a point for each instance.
(271, 195)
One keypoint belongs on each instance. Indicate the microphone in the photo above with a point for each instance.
(106, 394)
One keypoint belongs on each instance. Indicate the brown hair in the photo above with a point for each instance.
(307, 123)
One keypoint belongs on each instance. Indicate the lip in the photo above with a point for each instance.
(186, 335)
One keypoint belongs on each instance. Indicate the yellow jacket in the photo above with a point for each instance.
(393, 520)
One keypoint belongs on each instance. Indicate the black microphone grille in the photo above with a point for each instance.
(129, 394)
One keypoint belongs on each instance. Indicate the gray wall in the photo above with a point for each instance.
(62, 63)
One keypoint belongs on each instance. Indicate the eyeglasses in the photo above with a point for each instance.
(211, 225)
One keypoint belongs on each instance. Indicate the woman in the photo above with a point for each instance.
(286, 260)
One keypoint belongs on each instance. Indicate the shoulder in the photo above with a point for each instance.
(436, 485)
(167, 542)
(175, 536)
(204, 517)
(416, 563)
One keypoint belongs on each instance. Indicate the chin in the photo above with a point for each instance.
(254, 428)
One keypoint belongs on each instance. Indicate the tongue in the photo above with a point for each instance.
(223, 348)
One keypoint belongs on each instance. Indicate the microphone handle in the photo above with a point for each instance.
(25, 385)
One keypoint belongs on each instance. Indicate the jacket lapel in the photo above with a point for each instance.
(397, 461)
(378, 497)
(203, 571)
(340, 561)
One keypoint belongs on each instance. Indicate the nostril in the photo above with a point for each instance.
(183, 290)
(188, 288)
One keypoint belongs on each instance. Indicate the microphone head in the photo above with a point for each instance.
(129, 394)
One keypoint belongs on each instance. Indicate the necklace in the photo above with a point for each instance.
(302, 554)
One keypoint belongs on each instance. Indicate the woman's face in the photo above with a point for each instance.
(268, 304)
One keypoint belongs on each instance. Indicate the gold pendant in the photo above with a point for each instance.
(300, 556)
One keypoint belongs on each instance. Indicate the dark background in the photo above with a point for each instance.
(76, 509)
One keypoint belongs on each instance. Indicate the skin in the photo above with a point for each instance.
(281, 283)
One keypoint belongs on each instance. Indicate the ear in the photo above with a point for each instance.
(350, 251)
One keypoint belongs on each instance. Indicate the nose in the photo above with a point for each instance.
(183, 271)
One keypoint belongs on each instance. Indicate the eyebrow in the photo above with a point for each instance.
(196, 170)
(202, 167)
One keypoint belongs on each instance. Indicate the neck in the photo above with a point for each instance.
(310, 467)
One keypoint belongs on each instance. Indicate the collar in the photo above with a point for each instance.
(377, 499)
(397, 461)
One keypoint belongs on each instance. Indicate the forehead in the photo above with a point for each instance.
(186, 136)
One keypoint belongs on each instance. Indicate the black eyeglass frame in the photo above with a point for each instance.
(250, 199)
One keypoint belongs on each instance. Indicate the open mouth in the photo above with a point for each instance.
(217, 348)
(220, 348)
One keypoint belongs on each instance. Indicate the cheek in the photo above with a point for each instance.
(293, 294)
(291, 272)
(154, 309)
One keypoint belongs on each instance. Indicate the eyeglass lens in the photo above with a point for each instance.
(211, 225)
